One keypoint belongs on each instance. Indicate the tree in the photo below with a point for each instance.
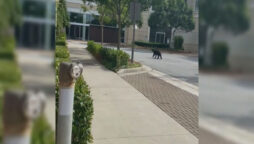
(173, 15)
(231, 15)
(62, 18)
(120, 12)
(10, 13)
(104, 10)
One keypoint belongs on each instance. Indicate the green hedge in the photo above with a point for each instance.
(219, 53)
(178, 42)
(83, 114)
(83, 103)
(61, 52)
(10, 74)
(42, 132)
(151, 45)
(7, 48)
(61, 43)
(112, 59)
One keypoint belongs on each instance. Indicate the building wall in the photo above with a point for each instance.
(79, 29)
(37, 29)
(141, 34)
(241, 50)
(191, 38)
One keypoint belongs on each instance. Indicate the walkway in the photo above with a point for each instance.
(38, 75)
(123, 115)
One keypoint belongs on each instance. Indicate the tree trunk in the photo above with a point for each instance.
(102, 34)
(172, 38)
(119, 31)
(208, 47)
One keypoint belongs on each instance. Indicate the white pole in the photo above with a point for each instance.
(67, 76)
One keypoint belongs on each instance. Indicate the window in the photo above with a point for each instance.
(76, 17)
(89, 18)
(34, 8)
(196, 6)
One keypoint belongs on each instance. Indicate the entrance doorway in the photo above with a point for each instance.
(160, 37)
(75, 32)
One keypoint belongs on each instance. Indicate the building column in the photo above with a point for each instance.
(84, 28)
(48, 36)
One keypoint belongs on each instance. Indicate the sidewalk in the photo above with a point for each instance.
(38, 74)
(123, 115)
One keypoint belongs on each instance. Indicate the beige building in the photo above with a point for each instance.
(241, 52)
(191, 38)
(144, 33)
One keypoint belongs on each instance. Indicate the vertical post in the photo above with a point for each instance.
(133, 37)
(20, 109)
(48, 36)
(67, 76)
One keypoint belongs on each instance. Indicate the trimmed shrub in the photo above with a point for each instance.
(83, 114)
(61, 43)
(10, 75)
(110, 58)
(151, 45)
(83, 103)
(42, 132)
(94, 48)
(7, 48)
(178, 42)
(61, 52)
(219, 53)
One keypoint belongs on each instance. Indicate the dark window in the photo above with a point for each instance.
(76, 17)
(34, 8)
(89, 18)
(196, 6)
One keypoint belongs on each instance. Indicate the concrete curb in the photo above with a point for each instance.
(226, 131)
(174, 81)
(134, 71)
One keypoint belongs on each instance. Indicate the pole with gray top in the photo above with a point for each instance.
(20, 109)
(134, 15)
(68, 74)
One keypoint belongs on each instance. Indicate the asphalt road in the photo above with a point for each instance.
(183, 67)
(228, 99)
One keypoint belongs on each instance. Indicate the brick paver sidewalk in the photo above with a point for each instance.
(178, 104)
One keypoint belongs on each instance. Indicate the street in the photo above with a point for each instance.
(226, 104)
(183, 67)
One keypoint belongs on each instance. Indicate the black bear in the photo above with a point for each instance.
(156, 54)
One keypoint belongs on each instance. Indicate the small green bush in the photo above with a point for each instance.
(61, 43)
(61, 52)
(61, 37)
(151, 45)
(178, 42)
(42, 133)
(7, 48)
(83, 114)
(10, 74)
(112, 59)
(219, 53)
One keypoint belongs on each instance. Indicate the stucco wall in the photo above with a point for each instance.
(241, 55)
(142, 34)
